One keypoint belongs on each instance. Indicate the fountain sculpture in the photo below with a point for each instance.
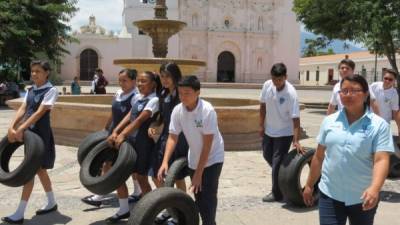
(160, 29)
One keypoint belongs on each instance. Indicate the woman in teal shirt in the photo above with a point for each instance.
(352, 159)
(75, 87)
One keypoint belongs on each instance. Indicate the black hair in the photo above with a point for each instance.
(131, 73)
(362, 82)
(391, 71)
(98, 70)
(190, 81)
(172, 70)
(42, 63)
(154, 77)
(348, 62)
(278, 70)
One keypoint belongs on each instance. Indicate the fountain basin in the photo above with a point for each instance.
(187, 66)
(74, 117)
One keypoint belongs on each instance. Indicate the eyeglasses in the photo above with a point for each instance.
(388, 78)
(350, 91)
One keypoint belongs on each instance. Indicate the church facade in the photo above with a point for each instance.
(238, 39)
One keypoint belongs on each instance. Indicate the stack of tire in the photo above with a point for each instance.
(394, 168)
(289, 176)
(33, 156)
(93, 152)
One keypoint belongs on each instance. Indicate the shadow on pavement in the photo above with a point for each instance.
(103, 222)
(318, 111)
(4, 107)
(297, 209)
(49, 219)
(390, 196)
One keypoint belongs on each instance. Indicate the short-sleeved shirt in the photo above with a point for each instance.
(388, 100)
(335, 98)
(49, 98)
(348, 164)
(194, 124)
(281, 107)
(151, 106)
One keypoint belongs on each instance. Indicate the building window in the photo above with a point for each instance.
(307, 75)
(317, 75)
(195, 20)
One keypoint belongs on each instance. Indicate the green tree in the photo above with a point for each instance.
(29, 27)
(374, 23)
(314, 47)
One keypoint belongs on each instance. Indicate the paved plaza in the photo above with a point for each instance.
(245, 179)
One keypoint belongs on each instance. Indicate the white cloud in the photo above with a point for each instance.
(108, 14)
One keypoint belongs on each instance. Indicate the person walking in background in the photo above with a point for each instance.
(387, 97)
(75, 87)
(100, 83)
(352, 159)
(279, 123)
(346, 68)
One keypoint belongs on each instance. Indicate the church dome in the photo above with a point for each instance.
(92, 28)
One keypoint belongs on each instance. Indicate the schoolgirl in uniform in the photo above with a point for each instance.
(170, 75)
(134, 128)
(121, 106)
(34, 115)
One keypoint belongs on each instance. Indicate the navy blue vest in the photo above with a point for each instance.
(119, 110)
(42, 126)
(168, 105)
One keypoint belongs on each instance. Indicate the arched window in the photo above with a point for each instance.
(89, 61)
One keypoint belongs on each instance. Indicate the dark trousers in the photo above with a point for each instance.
(206, 199)
(274, 151)
(332, 212)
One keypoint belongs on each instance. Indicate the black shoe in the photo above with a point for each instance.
(133, 198)
(116, 218)
(271, 198)
(162, 217)
(45, 211)
(88, 200)
(11, 221)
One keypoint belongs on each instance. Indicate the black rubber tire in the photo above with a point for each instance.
(89, 142)
(394, 167)
(175, 169)
(183, 207)
(120, 171)
(26, 171)
(289, 176)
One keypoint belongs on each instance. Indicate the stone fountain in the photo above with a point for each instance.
(160, 29)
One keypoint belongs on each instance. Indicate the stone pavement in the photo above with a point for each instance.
(245, 179)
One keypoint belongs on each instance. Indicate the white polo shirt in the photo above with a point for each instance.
(388, 100)
(335, 98)
(281, 107)
(194, 124)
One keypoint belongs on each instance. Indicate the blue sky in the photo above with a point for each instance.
(108, 13)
